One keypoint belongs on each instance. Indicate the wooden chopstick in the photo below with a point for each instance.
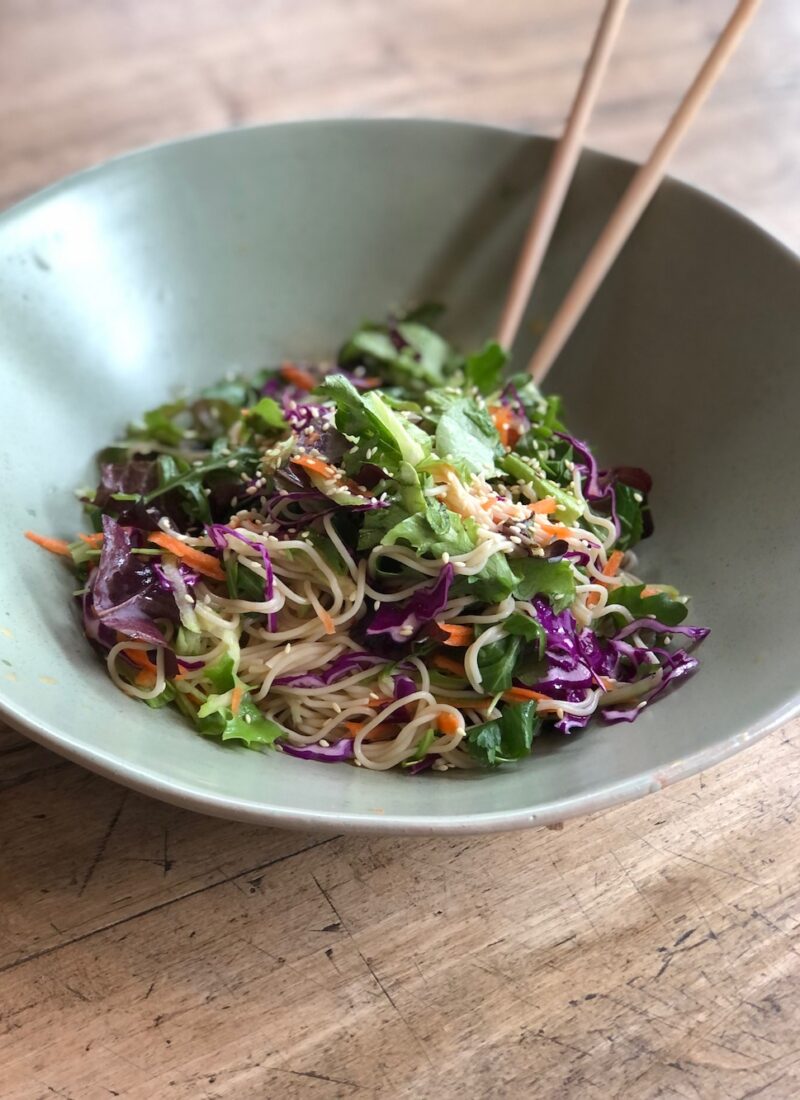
(638, 194)
(559, 173)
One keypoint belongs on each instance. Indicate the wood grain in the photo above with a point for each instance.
(649, 951)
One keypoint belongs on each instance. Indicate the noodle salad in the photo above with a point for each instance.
(400, 559)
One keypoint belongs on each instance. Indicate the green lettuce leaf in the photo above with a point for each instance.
(507, 738)
(466, 433)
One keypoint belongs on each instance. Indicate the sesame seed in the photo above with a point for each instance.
(445, 557)
(336, 708)
(516, 540)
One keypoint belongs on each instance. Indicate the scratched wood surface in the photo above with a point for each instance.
(145, 952)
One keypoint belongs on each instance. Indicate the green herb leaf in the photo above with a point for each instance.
(496, 662)
(522, 625)
(629, 513)
(660, 606)
(483, 369)
(267, 416)
(507, 738)
(539, 577)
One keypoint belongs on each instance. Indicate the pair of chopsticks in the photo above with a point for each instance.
(633, 202)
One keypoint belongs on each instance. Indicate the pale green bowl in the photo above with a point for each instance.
(171, 266)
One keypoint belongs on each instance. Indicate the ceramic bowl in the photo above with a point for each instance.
(170, 266)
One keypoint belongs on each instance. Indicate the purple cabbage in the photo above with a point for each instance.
(423, 765)
(577, 658)
(592, 489)
(517, 404)
(124, 594)
(403, 687)
(189, 576)
(676, 667)
(337, 670)
(572, 722)
(191, 664)
(402, 621)
(336, 753)
(217, 531)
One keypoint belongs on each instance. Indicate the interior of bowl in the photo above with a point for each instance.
(171, 266)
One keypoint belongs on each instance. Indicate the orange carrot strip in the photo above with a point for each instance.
(378, 733)
(448, 665)
(448, 723)
(144, 678)
(203, 563)
(236, 699)
(507, 431)
(459, 635)
(55, 546)
(521, 695)
(139, 658)
(650, 590)
(609, 569)
(92, 540)
(315, 465)
(557, 530)
(613, 563)
(543, 507)
(326, 620)
(296, 376)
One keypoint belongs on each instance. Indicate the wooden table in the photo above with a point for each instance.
(651, 950)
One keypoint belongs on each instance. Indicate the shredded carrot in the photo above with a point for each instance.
(236, 699)
(326, 620)
(458, 635)
(522, 695)
(378, 733)
(609, 569)
(145, 678)
(557, 530)
(203, 563)
(448, 723)
(139, 658)
(650, 590)
(296, 376)
(315, 465)
(613, 563)
(448, 665)
(505, 428)
(543, 507)
(92, 540)
(55, 546)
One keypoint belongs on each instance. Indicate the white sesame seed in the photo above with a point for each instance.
(516, 540)
(336, 708)
(323, 744)
(445, 557)
(376, 604)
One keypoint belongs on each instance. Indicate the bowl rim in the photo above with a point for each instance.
(150, 783)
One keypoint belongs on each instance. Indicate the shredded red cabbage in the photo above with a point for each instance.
(344, 664)
(326, 754)
(401, 621)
